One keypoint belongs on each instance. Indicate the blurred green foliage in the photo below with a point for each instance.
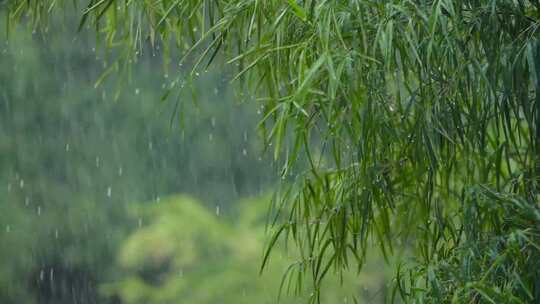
(72, 159)
(184, 252)
(76, 162)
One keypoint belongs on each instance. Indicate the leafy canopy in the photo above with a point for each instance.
(420, 121)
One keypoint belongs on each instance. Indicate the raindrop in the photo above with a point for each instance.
(67, 147)
(213, 121)
(109, 191)
(41, 274)
(56, 233)
(9, 187)
(166, 75)
(215, 91)
(197, 74)
(51, 275)
(244, 151)
(137, 91)
(210, 136)
(158, 199)
(21, 183)
(27, 201)
(8, 228)
(97, 162)
(39, 210)
(150, 145)
(217, 210)
(245, 136)
(120, 171)
(140, 222)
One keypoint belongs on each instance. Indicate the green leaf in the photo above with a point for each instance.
(298, 10)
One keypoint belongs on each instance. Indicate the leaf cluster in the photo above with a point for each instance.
(403, 109)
